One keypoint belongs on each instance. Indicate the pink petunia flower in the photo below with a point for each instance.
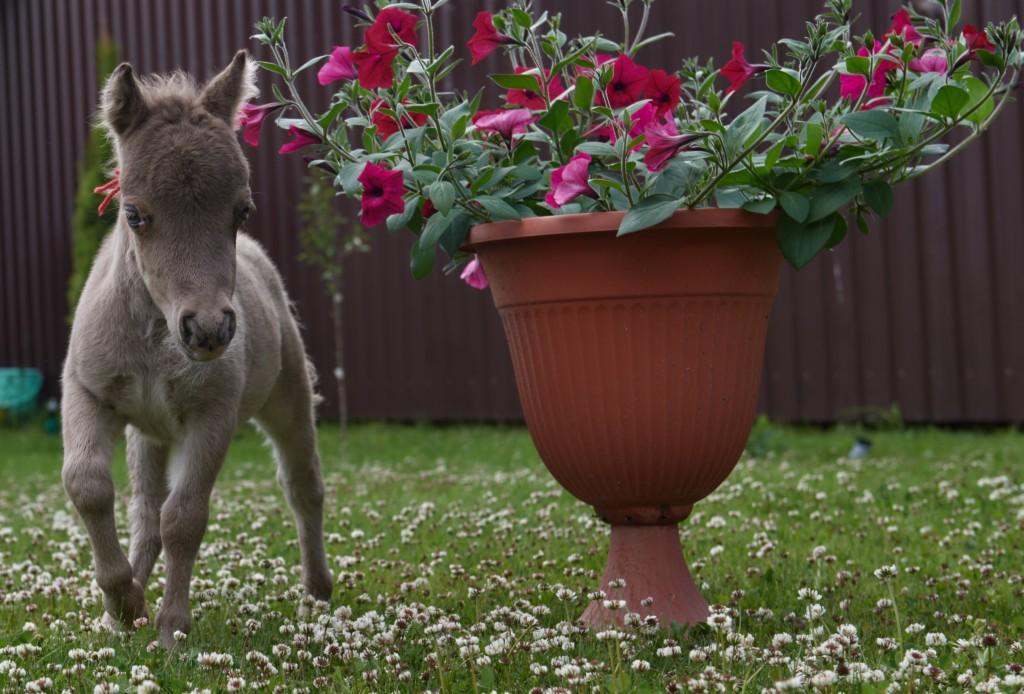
(473, 274)
(383, 194)
(505, 122)
(338, 67)
(378, 36)
(375, 67)
(933, 60)
(251, 121)
(486, 40)
(570, 181)
(300, 138)
(628, 83)
(663, 144)
(739, 70)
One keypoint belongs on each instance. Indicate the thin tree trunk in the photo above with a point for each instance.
(337, 318)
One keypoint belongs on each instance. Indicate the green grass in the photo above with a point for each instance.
(438, 536)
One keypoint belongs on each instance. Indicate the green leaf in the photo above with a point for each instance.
(584, 95)
(328, 118)
(453, 237)
(797, 206)
(397, 222)
(979, 91)
(309, 63)
(557, 117)
(858, 65)
(772, 158)
(498, 208)
(649, 212)
(430, 109)
(812, 136)
(949, 102)
(760, 206)
(839, 229)
(421, 261)
(744, 125)
(954, 14)
(272, 67)
(442, 194)
(799, 243)
(878, 195)
(783, 82)
(527, 82)
(873, 125)
(831, 197)
(596, 149)
(433, 229)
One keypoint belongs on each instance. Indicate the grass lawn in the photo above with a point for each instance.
(460, 566)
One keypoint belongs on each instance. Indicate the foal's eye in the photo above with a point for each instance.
(133, 216)
(244, 212)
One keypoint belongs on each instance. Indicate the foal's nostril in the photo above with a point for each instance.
(227, 327)
(188, 327)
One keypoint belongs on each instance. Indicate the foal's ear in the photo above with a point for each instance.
(123, 103)
(226, 92)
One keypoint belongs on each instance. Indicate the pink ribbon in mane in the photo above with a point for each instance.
(110, 190)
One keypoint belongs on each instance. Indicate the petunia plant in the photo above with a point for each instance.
(817, 131)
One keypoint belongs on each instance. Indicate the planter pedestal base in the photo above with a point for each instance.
(650, 560)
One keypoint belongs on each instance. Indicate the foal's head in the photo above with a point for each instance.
(184, 193)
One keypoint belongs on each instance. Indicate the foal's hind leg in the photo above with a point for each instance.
(288, 420)
(147, 467)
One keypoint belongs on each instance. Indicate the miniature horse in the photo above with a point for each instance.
(183, 333)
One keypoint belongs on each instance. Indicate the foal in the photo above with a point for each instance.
(183, 332)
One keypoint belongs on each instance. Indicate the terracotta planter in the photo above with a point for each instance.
(638, 361)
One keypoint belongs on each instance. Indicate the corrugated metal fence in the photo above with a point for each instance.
(926, 313)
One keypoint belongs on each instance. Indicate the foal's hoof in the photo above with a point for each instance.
(127, 607)
(320, 586)
(172, 628)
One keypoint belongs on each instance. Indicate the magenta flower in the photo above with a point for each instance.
(505, 122)
(338, 67)
(375, 67)
(570, 181)
(300, 138)
(851, 87)
(664, 90)
(378, 37)
(902, 26)
(629, 82)
(977, 40)
(486, 40)
(933, 60)
(251, 121)
(473, 274)
(663, 144)
(527, 98)
(738, 70)
(383, 194)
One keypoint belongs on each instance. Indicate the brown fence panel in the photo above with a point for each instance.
(925, 313)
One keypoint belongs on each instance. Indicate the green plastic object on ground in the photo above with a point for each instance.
(19, 390)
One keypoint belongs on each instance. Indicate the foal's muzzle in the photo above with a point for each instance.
(205, 336)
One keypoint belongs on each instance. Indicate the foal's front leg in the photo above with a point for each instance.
(184, 515)
(90, 429)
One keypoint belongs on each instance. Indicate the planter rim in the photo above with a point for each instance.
(606, 222)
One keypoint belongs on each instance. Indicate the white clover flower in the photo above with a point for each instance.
(236, 684)
(935, 639)
(886, 573)
(915, 628)
(813, 612)
(640, 666)
(179, 636)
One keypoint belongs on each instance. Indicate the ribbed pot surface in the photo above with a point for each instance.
(638, 359)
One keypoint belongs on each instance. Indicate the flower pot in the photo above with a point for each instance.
(638, 361)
